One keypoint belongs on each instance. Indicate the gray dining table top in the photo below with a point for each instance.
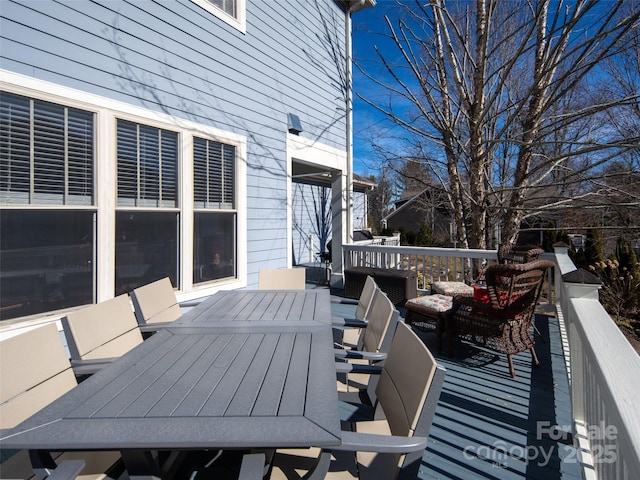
(213, 385)
(246, 307)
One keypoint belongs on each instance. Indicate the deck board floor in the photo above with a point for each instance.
(487, 424)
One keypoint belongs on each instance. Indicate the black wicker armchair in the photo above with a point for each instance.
(500, 316)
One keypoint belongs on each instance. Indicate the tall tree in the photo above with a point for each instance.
(380, 198)
(497, 99)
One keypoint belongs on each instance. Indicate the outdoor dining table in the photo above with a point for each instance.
(274, 307)
(208, 383)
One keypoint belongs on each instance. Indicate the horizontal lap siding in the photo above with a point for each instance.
(177, 58)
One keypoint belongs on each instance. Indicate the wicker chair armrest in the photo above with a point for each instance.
(513, 268)
(491, 307)
(518, 253)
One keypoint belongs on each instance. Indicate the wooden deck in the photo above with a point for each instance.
(490, 426)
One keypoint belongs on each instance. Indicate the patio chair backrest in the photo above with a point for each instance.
(366, 298)
(281, 278)
(407, 393)
(35, 371)
(155, 302)
(381, 320)
(515, 284)
(405, 381)
(105, 330)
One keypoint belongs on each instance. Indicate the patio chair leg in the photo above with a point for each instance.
(534, 357)
(512, 370)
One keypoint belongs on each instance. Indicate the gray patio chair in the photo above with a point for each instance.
(374, 341)
(282, 278)
(99, 333)
(351, 334)
(391, 445)
(35, 371)
(155, 305)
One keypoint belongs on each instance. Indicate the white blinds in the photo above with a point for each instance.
(147, 165)
(46, 152)
(213, 174)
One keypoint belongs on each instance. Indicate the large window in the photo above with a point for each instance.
(215, 219)
(98, 197)
(47, 255)
(146, 240)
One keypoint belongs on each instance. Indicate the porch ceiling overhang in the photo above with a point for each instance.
(317, 175)
(307, 173)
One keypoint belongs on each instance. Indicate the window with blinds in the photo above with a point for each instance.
(213, 174)
(46, 152)
(147, 165)
(215, 221)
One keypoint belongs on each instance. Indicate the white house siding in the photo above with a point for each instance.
(177, 59)
(360, 211)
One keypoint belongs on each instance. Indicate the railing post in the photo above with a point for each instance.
(581, 284)
(578, 284)
(564, 265)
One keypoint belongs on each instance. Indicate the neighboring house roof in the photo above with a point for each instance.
(406, 199)
(363, 183)
(409, 195)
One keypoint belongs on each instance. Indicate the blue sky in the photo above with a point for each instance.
(368, 29)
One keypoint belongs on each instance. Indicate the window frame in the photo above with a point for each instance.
(239, 22)
(63, 202)
(206, 206)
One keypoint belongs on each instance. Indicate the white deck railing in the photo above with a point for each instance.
(604, 378)
(603, 368)
(431, 264)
